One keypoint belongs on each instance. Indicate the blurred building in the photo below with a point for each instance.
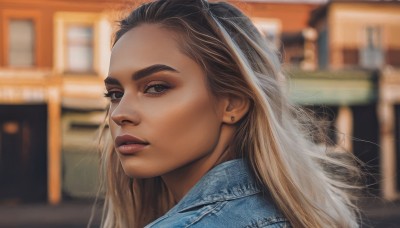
(53, 60)
(54, 57)
(358, 52)
(285, 25)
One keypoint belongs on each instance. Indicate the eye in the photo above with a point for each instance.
(114, 96)
(156, 89)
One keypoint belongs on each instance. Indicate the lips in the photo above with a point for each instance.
(128, 144)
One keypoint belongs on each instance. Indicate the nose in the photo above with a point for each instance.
(125, 113)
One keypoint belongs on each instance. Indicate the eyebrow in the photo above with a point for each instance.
(152, 70)
(111, 81)
(142, 73)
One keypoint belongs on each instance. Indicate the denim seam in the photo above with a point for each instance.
(214, 209)
(221, 197)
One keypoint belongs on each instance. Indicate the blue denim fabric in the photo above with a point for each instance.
(227, 196)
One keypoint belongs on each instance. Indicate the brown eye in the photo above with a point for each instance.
(156, 89)
(114, 96)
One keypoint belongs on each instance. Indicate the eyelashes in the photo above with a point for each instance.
(156, 88)
(113, 95)
(152, 89)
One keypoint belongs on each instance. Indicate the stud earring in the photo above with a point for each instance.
(232, 118)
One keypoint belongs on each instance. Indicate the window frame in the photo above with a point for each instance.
(377, 45)
(36, 18)
(66, 52)
(64, 20)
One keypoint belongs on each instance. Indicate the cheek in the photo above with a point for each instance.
(112, 125)
(187, 127)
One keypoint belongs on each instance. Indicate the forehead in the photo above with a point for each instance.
(145, 45)
(145, 38)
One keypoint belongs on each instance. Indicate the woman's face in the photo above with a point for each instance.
(162, 114)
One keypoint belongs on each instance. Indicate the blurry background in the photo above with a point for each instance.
(343, 58)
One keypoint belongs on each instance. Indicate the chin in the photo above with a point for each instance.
(141, 172)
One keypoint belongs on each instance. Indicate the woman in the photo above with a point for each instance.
(202, 132)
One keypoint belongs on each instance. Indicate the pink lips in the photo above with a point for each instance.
(127, 144)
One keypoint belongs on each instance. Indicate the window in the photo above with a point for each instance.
(21, 37)
(81, 44)
(79, 49)
(270, 29)
(21, 43)
(323, 49)
(371, 55)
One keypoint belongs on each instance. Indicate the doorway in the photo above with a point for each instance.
(365, 145)
(23, 153)
(397, 141)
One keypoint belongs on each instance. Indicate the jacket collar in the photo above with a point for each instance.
(229, 180)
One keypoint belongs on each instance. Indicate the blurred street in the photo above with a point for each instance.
(76, 214)
(381, 214)
(72, 214)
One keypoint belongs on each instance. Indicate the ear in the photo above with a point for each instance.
(235, 107)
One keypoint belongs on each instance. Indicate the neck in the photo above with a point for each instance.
(181, 180)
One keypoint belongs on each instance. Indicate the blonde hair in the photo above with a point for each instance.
(275, 137)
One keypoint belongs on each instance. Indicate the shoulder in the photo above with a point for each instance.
(227, 196)
(251, 212)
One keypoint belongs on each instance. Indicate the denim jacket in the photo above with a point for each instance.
(227, 196)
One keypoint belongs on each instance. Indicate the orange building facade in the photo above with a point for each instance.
(364, 36)
(54, 56)
(53, 60)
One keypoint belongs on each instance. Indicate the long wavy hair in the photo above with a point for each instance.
(276, 138)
